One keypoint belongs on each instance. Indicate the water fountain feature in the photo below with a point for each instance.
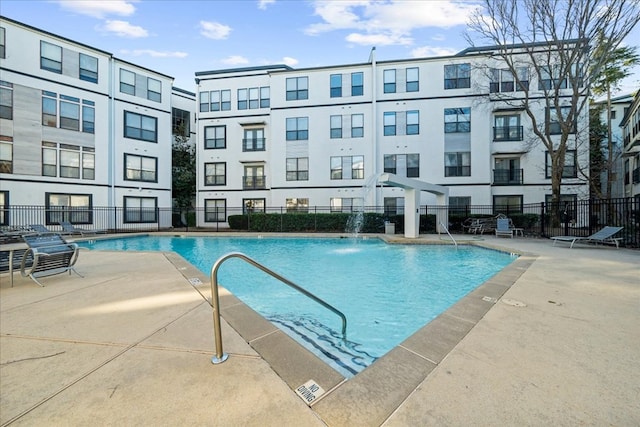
(355, 223)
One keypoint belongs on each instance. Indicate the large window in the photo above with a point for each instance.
(457, 76)
(345, 204)
(347, 167)
(50, 57)
(140, 168)
(389, 120)
(215, 137)
(6, 154)
(253, 140)
(253, 205)
(505, 81)
(6, 100)
(298, 169)
(335, 85)
(249, 98)
(413, 122)
(506, 127)
(68, 161)
(297, 128)
(141, 209)
(127, 82)
(457, 120)
(336, 127)
(357, 84)
(75, 114)
(216, 100)
(357, 125)
(413, 79)
(180, 122)
(141, 127)
(74, 208)
(152, 91)
(457, 164)
(459, 204)
(556, 117)
(402, 164)
(215, 210)
(69, 113)
(508, 204)
(297, 88)
(215, 173)
(389, 77)
(88, 68)
(570, 169)
(254, 178)
(393, 205)
(297, 205)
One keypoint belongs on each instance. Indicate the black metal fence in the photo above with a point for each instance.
(578, 218)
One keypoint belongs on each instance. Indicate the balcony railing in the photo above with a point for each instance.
(508, 176)
(457, 171)
(253, 144)
(507, 133)
(254, 182)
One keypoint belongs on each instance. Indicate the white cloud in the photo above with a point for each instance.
(124, 29)
(262, 4)
(430, 51)
(214, 30)
(391, 21)
(154, 53)
(235, 60)
(99, 8)
(291, 62)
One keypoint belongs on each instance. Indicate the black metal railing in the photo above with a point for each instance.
(254, 182)
(508, 176)
(507, 133)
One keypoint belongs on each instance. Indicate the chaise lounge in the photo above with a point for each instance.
(48, 254)
(604, 236)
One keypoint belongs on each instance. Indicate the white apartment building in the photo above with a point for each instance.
(274, 136)
(631, 153)
(82, 131)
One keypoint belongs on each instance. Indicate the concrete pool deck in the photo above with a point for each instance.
(554, 339)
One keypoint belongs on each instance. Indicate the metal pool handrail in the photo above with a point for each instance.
(220, 355)
(445, 229)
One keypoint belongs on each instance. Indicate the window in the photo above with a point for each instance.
(457, 120)
(336, 126)
(225, 100)
(69, 113)
(507, 128)
(389, 77)
(297, 205)
(254, 177)
(459, 204)
(265, 97)
(6, 100)
(345, 204)
(357, 84)
(215, 173)
(335, 83)
(215, 210)
(253, 140)
(413, 83)
(154, 90)
(49, 109)
(3, 43)
(570, 169)
(140, 209)
(402, 164)
(457, 76)
(507, 204)
(297, 88)
(88, 116)
(88, 68)
(357, 125)
(50, 57)
(137, 126)
(550, 78)
(507, 171)
(394, 205)
(140, 168)
(6, 154)
(613, 114)
(347, 167)
(215, 137)
(180, 122)
(457, 164)
(127, 82)
(413, 122)
(298, 169)
(389, 123)
(555, 122)
(74, 208)
(70, 109)
(74, 161)
(504, 80)
(217, 100)
(253, 205)
(243, 102)
(297, 128)
(4, 208)
(248, 98)
(254, 98)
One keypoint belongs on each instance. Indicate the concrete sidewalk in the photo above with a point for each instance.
(131, 344)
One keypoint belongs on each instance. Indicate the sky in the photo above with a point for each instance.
(180, 38)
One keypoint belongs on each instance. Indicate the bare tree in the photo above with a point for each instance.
(552, 41)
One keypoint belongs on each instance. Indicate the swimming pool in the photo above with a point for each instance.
(387, 292)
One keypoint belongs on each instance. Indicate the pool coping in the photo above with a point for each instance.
(375, 393)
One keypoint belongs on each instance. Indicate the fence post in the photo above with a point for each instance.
(542, 219)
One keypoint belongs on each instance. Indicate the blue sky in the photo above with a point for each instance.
(179, 38)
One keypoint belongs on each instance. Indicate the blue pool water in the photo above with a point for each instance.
(387, 292)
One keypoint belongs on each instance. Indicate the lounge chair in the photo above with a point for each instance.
(604, 236)
(48, 254)
(503, 227)
(39, 228)
(68, 228)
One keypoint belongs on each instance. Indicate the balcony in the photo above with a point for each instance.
(508, 176)
(253, 144)
(254, 182)
(507, 133)
(457, 171)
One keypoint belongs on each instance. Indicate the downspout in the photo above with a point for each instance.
(374, 123)
(112, 142)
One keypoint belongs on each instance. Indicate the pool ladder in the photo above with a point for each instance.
(215, 301)
(447, 230)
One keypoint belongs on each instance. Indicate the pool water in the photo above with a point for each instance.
(387, 292)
